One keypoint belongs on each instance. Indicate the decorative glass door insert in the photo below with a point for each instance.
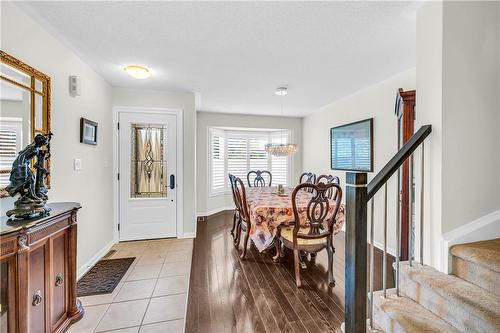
(148, 161)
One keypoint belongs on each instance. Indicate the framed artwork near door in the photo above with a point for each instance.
(88, 132)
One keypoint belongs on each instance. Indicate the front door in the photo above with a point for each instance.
(147, 170)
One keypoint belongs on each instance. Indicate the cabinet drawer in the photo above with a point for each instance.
(58, 276)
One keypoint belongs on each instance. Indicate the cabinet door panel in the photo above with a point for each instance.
(58, 278)
(36, 293)
(8, 295)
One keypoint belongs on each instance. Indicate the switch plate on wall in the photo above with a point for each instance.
(77, 164)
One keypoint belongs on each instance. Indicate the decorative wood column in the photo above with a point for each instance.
(76, 310)
(408, 129)
(22, 282)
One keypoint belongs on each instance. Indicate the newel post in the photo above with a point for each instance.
(356, 253)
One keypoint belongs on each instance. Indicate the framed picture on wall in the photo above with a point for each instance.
(351, 146)
(88, 131)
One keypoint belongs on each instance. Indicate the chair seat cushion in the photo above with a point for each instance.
(287, 233)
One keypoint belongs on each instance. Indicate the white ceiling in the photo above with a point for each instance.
(235, 54)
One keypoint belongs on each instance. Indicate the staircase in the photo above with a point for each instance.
(468, 300)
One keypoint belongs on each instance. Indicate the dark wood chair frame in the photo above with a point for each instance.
(332, 193)
(242, 220)
(316, 212)
(259, 181)
(307, 177)
(236, 215)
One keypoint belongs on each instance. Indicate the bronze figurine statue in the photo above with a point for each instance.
(30, 187)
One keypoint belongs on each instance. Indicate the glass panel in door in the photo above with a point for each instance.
(148, 161)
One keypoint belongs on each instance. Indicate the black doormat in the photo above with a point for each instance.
(103, 277)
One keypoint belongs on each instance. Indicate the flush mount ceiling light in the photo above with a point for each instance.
(138, 72)
(281, 148)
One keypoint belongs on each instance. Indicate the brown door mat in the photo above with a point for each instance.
(103, 277)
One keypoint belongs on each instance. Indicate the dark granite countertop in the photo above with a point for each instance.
(10, 225)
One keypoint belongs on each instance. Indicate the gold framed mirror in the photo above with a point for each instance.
(24, 111)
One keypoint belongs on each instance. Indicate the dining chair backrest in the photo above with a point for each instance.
(307, 177)
(259, 180)
(317, 210)
(232, 182)
(327, 179)
(241, 198)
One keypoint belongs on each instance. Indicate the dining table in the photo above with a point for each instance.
(268, 210)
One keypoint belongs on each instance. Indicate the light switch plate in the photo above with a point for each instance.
(78, 164)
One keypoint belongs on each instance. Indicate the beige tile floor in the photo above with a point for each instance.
(152, 295)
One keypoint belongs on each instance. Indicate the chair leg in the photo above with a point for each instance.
(234, 224)
(329, 249)
(238, 233)
(277, 246)
(245, 243)
(296, 261)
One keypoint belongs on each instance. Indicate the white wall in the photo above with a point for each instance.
(471, 112)
(207, 204)
(173, 100)
(26, 40)
(429, 111)
(376, 101)
(458, 85)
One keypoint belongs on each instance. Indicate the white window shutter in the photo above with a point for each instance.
(217, 161)
(258, 155)
(237, 155)
(280, 164)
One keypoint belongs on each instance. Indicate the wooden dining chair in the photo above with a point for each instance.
(243, 223)
(259, 180)
(327, 179)
(237, 214)
(315, 233)
(307, 177)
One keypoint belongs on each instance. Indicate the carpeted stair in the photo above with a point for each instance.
(462, 304)
(401, 314)
(431, 301)
(478, 263)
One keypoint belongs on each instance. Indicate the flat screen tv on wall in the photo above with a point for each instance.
(351, 146)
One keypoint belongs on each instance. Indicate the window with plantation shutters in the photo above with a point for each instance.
(10, 145)
(240, 151)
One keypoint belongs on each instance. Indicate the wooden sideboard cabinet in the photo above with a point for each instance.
(38, 272)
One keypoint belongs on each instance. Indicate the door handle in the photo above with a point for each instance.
(172, 182)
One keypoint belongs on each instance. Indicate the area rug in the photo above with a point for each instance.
(103, 277)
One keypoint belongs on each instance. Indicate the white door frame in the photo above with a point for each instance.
(179, 163)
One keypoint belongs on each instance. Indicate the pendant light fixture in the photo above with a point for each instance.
(282, 148)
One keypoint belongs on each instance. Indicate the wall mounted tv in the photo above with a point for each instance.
(351, 146)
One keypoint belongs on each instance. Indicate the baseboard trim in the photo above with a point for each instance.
(484, 228)
(380, 246)
(92, 261)
(214, 211)
(187, 235)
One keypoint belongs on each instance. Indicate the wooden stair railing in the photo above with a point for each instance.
(358, 193)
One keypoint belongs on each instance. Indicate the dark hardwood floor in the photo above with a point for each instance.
(227, 294)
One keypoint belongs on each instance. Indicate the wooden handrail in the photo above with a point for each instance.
(393, 165)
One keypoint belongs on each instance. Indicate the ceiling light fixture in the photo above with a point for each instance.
(138, 72)
(281, 148)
